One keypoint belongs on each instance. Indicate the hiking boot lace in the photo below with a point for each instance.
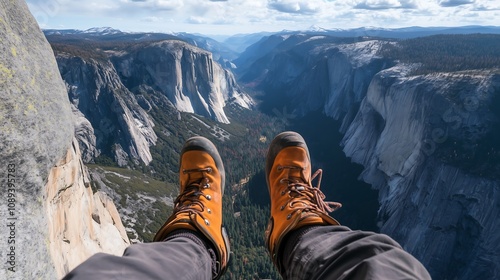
(304, 196)
(189, 200)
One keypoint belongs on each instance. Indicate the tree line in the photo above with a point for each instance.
(447, 53)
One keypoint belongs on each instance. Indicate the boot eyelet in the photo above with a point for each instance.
(282, 208)
(208, 197)
(283, 192)
(280, 168)
(206, 186)
(209, 211)
(209, 169)
(289, 216)
(207, 222)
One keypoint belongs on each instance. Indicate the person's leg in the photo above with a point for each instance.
(305, 242)
(192, 244)
(183, 256)
(199, 204)
(336, 252)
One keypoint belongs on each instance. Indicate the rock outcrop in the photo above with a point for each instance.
(81, 223)
(120, 126)
(85, 135)
(416, 137)
(187, 75)
(36, 132)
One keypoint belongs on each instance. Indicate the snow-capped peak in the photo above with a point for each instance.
(316, 28)
(102, 31)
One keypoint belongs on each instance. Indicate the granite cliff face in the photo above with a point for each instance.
(310, 72)
(118, 123)
(185, 74)
(428, 142)
(416, 137)
(81, 223)
(41, 173)
(116, 88)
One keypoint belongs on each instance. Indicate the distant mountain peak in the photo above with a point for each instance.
(94, 31)
(102, 31)
(317, 28)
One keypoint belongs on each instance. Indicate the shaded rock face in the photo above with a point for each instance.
(36, 132)
(81, 223)
(401, 134)
(185, 74)
(118, 124)
(340, 79)
(313, 73)
(84, 133)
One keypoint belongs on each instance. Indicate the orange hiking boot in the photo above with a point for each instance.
(294, 201)
(199, 204)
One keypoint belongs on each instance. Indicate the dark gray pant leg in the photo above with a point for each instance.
(336, 252)
(178, 258)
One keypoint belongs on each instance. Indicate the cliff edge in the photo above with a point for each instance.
(41, 173)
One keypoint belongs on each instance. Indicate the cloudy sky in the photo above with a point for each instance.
(248, 16)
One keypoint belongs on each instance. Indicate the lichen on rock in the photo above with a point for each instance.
(40, 157)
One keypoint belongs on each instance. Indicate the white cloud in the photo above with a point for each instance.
(454, 3)
(196, 20)
(486, 5)
(294, 7)
(168, 4)
(385, 4)
(152, 19)
(258, 15)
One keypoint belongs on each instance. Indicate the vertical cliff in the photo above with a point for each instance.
(118, 125)
(307, 72)
(429, 143)
(81, 223)
(424, 141)
(35, 131)
(117, 86)
(36, 134)
(185, 74)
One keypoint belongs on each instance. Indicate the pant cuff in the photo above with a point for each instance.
(198, 239)
(290, 241)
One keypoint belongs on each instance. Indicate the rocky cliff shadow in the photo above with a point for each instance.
(340, 176)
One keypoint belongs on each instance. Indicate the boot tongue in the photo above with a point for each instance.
(192, 179)
(192, 197)
(296, 175)
(195, 178)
